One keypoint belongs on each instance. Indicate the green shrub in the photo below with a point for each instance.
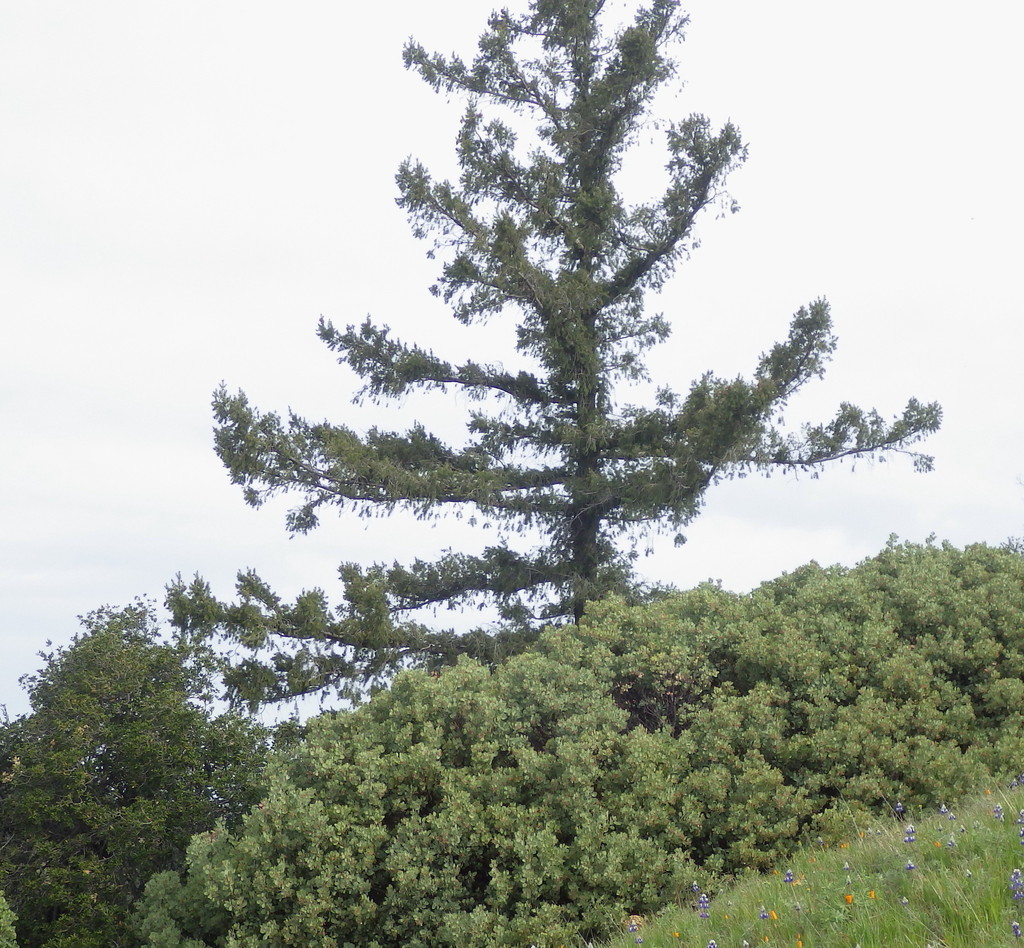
(7, 920)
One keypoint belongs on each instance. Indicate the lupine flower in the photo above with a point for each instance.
(908, 833)
(846, 867)
(1017, 885)
(943, 809)
(703, 904)
(997, 812)
(909, 866)
(898, 809)
(1015, 928)
(764, 912)
(712, 943)
(788, 877)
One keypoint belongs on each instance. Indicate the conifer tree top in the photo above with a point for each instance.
(535, 229)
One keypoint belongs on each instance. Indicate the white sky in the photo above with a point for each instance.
(186, 187)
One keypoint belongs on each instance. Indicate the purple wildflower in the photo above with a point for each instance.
(997, 812)
(788, 877)
(1017, 885)
(703, 904)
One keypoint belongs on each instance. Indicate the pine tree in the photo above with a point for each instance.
(535, 227)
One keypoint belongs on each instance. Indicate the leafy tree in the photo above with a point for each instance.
(110, 775)
(535, 226)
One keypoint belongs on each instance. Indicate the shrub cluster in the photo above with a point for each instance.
(474, 808)
(604, 772)
(901, 679)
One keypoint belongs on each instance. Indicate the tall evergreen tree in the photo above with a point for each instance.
(535, 227)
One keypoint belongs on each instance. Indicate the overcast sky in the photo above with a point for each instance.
(186, 187)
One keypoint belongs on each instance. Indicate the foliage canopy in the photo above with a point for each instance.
(536, 229)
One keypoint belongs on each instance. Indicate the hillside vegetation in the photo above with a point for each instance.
(606, 771)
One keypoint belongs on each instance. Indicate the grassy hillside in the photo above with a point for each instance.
(950, 878)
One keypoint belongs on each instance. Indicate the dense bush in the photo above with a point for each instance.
(902, 678)
(573, 785)
(110, 776)
(468, 809)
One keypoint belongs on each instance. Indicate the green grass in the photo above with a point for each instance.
(863, 893)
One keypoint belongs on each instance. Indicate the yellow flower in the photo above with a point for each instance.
(773, 917)
(849, 899)
(871, 894)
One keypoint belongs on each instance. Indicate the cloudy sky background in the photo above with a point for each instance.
(186, 187)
